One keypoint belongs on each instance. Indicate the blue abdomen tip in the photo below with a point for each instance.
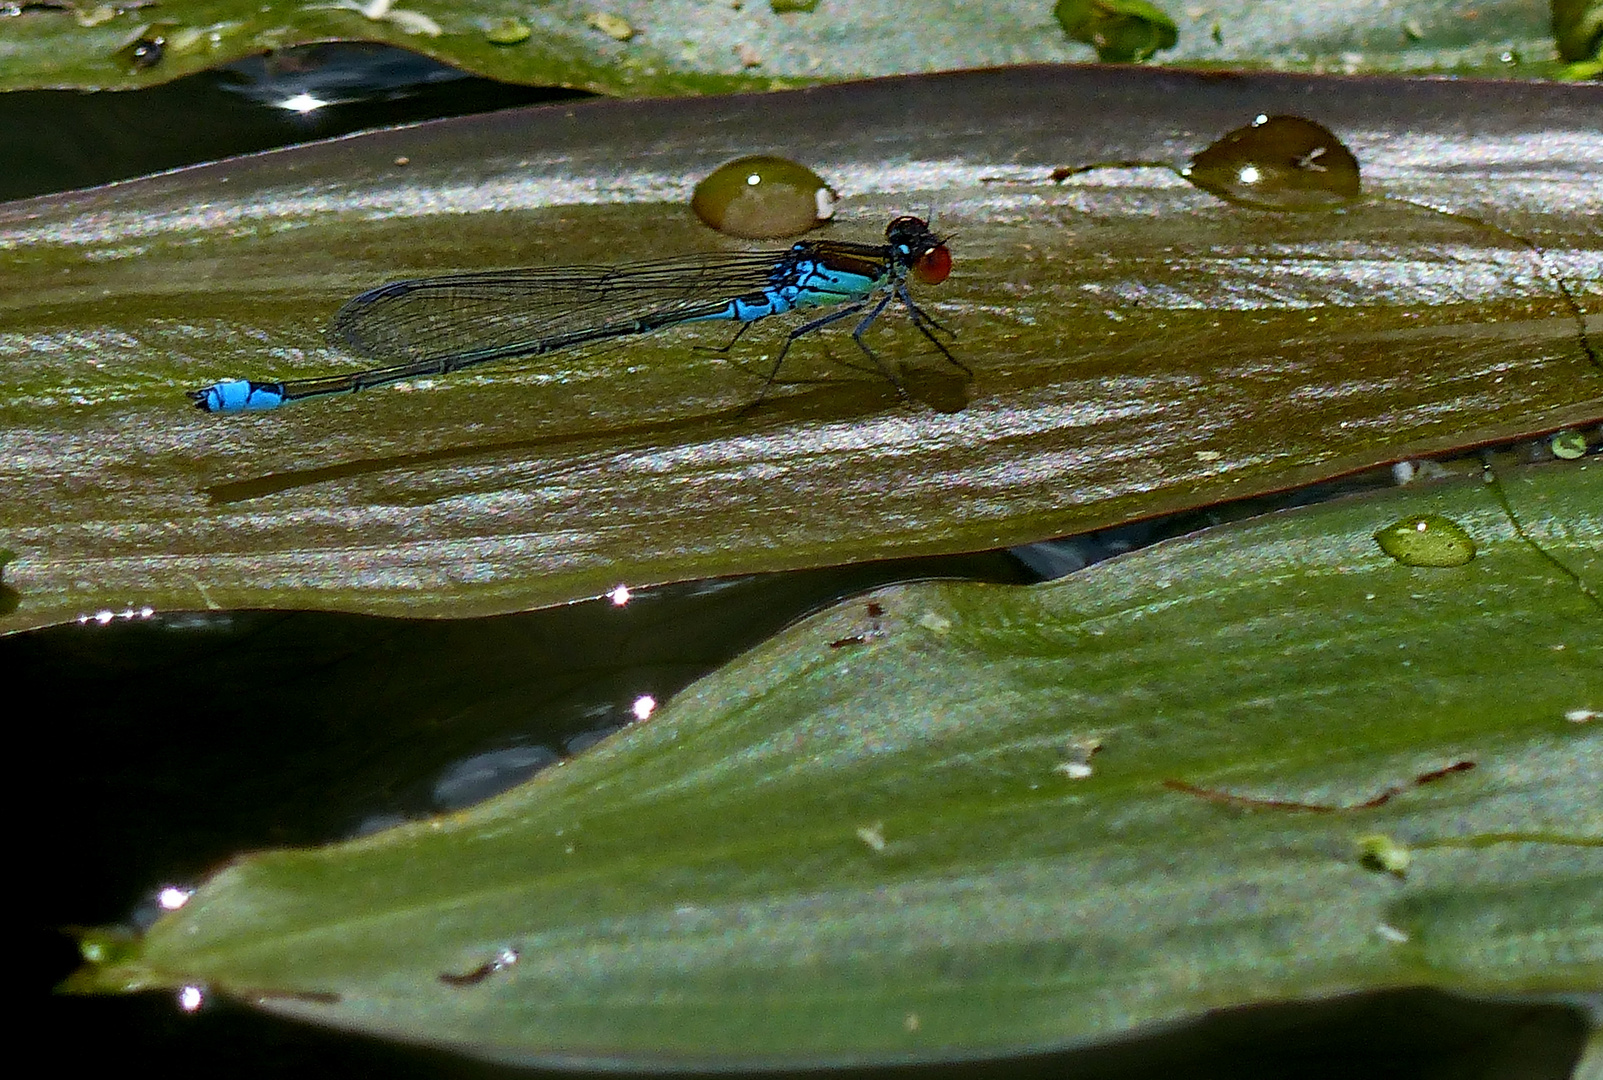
(238, 395)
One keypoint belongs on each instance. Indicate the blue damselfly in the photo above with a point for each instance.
(433, 326)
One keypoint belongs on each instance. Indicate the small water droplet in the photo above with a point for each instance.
(762, 198)
(614, 26)
(1278, 163)
(508, 31)
(145, 52)
(1427, 540)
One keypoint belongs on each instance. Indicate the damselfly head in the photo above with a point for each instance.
(924, 253)
(910, 234)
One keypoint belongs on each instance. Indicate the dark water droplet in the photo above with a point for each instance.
(1278, 163)
(1427, 540)
(144, 53)
(763, 198)
(1121, 31)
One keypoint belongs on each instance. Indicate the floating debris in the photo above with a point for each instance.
(1121, 31)
(1382, 854)
(1568, 444)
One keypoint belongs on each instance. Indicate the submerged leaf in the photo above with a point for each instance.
(1006, 818)
(643, 47)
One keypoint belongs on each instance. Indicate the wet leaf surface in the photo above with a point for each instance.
(1138, 346)
(949, 820)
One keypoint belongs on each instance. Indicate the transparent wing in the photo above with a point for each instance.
(500, 309)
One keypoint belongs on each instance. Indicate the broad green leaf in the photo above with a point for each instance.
(1265, 762)
(1578, 33)
(691, 46)
(1139, 346)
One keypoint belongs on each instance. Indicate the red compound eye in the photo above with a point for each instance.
(934, 265)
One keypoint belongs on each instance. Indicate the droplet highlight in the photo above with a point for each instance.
(1278, 163)
(763, 198)
(173, 897)
(1427, 540)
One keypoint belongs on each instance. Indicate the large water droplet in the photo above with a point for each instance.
(1427, 540)
(763, 198)
(1278, 163)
